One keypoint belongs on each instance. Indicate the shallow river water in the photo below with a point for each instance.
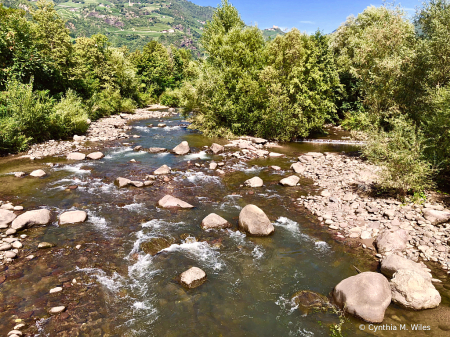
(121, 291)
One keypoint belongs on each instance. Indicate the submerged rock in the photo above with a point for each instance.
(162, 170)
(193, 277)
(72, 217)
(254, 182)
(76, 156)
(366, 295)
(182, 148)
(155, 245)
(95, 155)
(393, 263)
(254, 221)
(171, 202)
(410, 289)
(215, 221)
(216, 148)
(30, 218)
(38, 173)
(391, 241)
(290, 181)
(307, 300)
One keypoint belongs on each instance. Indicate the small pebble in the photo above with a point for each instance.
(56, 290)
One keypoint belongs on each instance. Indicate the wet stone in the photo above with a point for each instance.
(44, 245)
(307, 300)
(57, 310)
(155, 245)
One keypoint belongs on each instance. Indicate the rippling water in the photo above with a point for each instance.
(122, 291)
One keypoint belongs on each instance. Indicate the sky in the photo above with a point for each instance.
(306, 15)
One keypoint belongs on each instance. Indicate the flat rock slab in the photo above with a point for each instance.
(30, 218)
(162, 170)
(156, 149)
(216, 148)
(72, 217)
(95, 155)
(57, 310)
(290, 181)
(76, 156)
(413, 291)
(366, 295)
(6, 217)
(122, 182)
(276, 155)
(393, 263)
(38, 173)
(254, 182)
(193, 277)
(5, 246)
(155, 245)
(436, 217)
(215, 221)
(171, 202)
(182, 148)
(254, 221)
(298, 168)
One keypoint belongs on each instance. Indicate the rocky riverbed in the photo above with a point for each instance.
(113, 250)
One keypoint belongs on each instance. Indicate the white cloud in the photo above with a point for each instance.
(308, 22)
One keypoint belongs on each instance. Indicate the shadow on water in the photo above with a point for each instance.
(121, 291)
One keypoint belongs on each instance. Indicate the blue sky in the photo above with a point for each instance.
(306, 15)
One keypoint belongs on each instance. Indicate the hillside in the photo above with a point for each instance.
(178, 22)
(271, 33)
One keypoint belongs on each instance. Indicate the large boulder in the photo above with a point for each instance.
(393, 263)
(290, 181)
(216, 148)
(391, 241)
(162, 170)
(76, 156)
(254, 221)
(413, 291)
(436, 217)
(95, 155)
(72, 217)
(366, 295)
(171, 202)
(193, 277)
(254, 182)
(182, 148)
(122, 182)
(6, 217)
(38, 173)
(30, 218)
(215, 221)
(298, 168)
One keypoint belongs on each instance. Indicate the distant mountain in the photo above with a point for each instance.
(133, 24)
(271, 33)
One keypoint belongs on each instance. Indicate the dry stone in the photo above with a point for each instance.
(38, 173)
(254, 182)
(216, 148)
(254, 221)
(95, 155)
(72, 217)
(290, 181)
(162, 170)
(182, 148)
(214, 221)
(366, 295)
(171, 202)
(193, 277)
(76, 156)
(30, 218)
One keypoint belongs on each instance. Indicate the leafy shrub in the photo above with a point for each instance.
(69, 116)
(170, 98)
(401, 153)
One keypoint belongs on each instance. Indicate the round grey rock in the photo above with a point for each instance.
(72, 217)
(254, 221)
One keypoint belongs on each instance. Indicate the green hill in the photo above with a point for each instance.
(133, 24)
(271, 33)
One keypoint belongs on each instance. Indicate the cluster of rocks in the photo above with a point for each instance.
(405, 283)
(105, 129)
(251, 148)
(11, 223)
(421, 231)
